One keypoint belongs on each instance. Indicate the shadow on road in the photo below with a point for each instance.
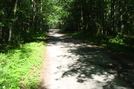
(95, 64)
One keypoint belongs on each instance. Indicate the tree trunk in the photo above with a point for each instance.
(112, 17)
(41, 20)
(11, 29)
(121, 17)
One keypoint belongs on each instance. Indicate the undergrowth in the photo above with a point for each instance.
(122, 45)
(20, 68)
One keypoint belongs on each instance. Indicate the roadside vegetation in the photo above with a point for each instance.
(22, 46)
(20, 68)
(107, 23)
(119, 44)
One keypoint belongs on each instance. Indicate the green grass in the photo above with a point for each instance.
(112, 43)
(20, 68)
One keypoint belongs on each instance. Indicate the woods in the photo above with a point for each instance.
(105, 17)
(24, 24)
(110, 21)
(21, 21)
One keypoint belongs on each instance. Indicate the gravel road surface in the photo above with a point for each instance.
(77, 65)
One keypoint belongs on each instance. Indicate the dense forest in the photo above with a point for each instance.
(100, 17)
(99, 20)
(104, 22)
(23, 20)
(108, 23)
(23, 25)
(108, 20)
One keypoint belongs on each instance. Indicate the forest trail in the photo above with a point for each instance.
(76, 65)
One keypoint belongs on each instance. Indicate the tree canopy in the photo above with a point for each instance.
(24, 20)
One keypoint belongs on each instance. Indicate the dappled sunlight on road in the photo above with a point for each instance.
(77, 65)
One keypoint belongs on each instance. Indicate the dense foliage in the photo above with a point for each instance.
(106, 20)
(105, 17)
(23, 24)
(21, 21)
(20, 68)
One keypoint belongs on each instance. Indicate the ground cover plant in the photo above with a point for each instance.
(118, 44)
(20, 68)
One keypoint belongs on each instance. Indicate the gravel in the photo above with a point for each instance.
(77, 65)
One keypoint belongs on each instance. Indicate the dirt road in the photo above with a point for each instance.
(77, 65)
